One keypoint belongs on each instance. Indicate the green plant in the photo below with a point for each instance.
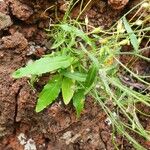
(89, 63)
(64, 65)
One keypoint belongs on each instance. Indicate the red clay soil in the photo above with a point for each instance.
(22, 39)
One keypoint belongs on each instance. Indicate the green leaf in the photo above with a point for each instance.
(91, 56)
(132, 36)
(75, 76)
(67, 89)
(58, 43)
(78, 101)
(49, 93)
(77, 32)
(138, 97)
(43, 65)
(91, 76)
(104, 79)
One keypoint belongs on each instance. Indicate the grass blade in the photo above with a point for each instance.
(77, 32)
(91, 76)
(132, 36)
(75, 76)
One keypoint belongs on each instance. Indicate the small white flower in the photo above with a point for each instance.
(145, 5)
(96, 30)
(139, 22)
(139, 40)
(86, 20)
(124, 42)
(97, 86)
(114, 114)
(120, 28)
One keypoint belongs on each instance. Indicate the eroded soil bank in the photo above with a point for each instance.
(22, 38)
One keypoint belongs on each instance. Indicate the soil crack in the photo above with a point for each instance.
(105, 144)
(16, 106)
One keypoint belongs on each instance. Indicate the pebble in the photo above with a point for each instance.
(5, 21)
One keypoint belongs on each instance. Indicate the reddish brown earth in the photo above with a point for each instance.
(22, 38)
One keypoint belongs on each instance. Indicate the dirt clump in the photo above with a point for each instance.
(118, 4)
(20, 10)
(3, 7)
(15, 41)
(5, 21)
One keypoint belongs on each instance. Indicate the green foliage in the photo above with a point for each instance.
(75, 76)
(78, 101)
(89, 63)
(132, 36)
(68, 87)
(91, 76)
(43, 65)
(49, 93)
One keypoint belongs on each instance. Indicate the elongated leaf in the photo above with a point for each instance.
(138, 97)
(67, 89)
(91, 76)
(132, 36)
(57, 44)
(104, 79)
(90, 55)
(75, 76)
(77, 32)
(78, 101)
(49, 93)
(43, 65)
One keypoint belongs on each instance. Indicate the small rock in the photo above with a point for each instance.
(17, 41)
(5, 21)
(36, 50)
(1, 54)
(22, 138)
(3, 7)
(108, 121)
(20, 10)
(30, 145)
(67, 135)
(88, 129)
(117, 4)
(73, 139)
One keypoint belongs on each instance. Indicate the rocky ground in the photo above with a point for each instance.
(22, 39)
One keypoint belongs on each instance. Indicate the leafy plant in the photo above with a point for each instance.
(89, 63)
